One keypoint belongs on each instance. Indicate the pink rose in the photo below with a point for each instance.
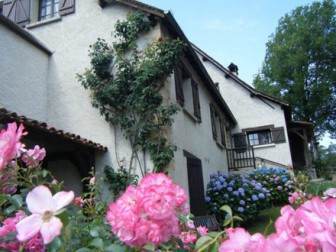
(10, 145)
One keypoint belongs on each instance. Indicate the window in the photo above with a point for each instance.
(267, 134)
(218, 126)
(24, 12)
(258, 138)
(48, 9)
(187, 92)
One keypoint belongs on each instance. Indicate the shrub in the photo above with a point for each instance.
(245, 197)
(277, 181)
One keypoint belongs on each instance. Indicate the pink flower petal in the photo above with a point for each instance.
(62, 199)
(51, 229)
(39, 200)
(28, 227)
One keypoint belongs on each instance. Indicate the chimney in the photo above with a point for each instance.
(233, 68)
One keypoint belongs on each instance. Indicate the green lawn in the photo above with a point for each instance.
(259, 225)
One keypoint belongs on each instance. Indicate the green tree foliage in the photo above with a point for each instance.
(300, 65)
(126, 83)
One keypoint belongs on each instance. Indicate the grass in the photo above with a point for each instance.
(317, 188)
(262, 223)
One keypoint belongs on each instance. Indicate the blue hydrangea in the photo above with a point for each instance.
(242, 202)
(229, 189)
(254, 198)
(207, 199)
(236, 193)
(240, 209)
(261, 196)
(226, 196)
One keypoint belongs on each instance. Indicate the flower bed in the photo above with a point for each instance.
(37, 216)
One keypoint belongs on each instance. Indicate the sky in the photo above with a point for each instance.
(231, 30)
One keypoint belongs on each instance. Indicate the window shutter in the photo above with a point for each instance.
(213, 121)
(196, 101)
(240, 140)
(17, 10)
(278, 135)
(222, 131)
(178, 86)
(66, 7)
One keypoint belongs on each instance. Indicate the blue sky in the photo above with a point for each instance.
(231, 31)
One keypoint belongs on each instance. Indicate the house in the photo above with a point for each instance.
(39, 88)
(264, 130)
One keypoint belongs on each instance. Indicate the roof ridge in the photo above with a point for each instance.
(240, 81)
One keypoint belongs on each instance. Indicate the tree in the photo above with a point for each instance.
(300, 65)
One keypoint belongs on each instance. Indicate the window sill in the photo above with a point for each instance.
(263, 146)
(191, 116)
(44, 22)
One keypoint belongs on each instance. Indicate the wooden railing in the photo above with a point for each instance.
(241, 158)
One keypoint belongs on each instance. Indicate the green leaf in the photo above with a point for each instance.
(202, 241)
(214, 247)
(94, 232)
(149, 246)
(226, 209)
(227, 221)
(16, 200)
(55, 245)
(238, 218)
(212, 234)
(115, 248)
(97, 242)
(83, 250)
(9, 210)
(44, 173)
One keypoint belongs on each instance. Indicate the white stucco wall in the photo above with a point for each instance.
(252, 112)
(196, 138)
(69, 104)
(23, 76)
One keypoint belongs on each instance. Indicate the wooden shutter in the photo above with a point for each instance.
(17, 10)
(66, 7)
(222, 131)
(278, 135)
(196, 101)
(213, 121)
(196, 186)
(240, 140)
(179, 86)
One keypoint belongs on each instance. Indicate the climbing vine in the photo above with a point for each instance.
(126, 83)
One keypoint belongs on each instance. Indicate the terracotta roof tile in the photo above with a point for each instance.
(12, 116)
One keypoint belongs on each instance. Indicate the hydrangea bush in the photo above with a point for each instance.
(277, 181)
(245, 196)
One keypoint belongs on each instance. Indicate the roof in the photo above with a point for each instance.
(9, 116)
(174, 28)
(9, 24)
(308, 126)
(253, 91)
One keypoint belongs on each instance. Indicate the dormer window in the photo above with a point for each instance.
(48, 9)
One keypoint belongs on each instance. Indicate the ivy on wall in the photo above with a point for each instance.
(126, 83)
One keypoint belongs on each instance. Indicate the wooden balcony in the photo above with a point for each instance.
(241, 158)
